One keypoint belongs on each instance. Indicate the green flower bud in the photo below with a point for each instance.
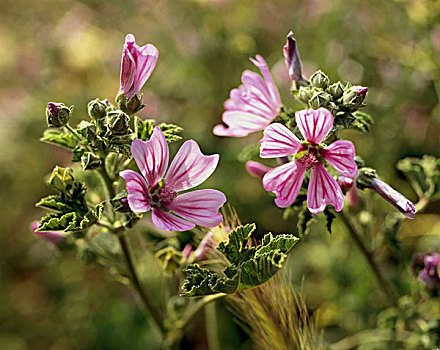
(354, 97)
(89, 131)
(319, 80)
(320, 99)
(304, 94)
(130, 106)
(89, 161)
(61, 179)
(336, 90)
(77, 153)
(57, 114)
(117, 122)
(97, 109)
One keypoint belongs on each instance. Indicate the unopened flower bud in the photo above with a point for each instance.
(57, 114)
(61, 179)
(429, 275)
(55, 237)
(97, 109)
(117, 122)
(256, 169)
(399, 201)
(336, 90)
(293, 61)
(305, 94)
(354, 97)
(186, 252)
(345, 183)
(319, 80)
(89, 161)
(320, 99)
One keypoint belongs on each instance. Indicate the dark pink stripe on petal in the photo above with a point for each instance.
(137, 191)
(169, 222)
(200, 207)
(278, 141)
(314, 125)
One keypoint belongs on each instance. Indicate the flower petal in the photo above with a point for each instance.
(169, 222)
(240, 123)
(285, 181)
(340, 155)
(200, 207)
(262, 65)
(190, 167)
(323, 190)
(137, 191)
(278, 141)
(314, 124)
(146, 61)
(151, 157)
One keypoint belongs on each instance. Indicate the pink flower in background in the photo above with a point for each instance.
(286, 180)
(137, 64)
(429, 275)
(54, 237)
(253, 105)
(256, 169)
(172, 211)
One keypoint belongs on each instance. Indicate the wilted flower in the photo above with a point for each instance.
(253, 105)
(285, 181)
(293, 61)
(137, 64)
(256, 169)
(405, 206)
(189, 168)
(54, 237)
(429, 275)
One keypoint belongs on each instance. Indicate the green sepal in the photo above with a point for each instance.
(59, 138)
(329, 216)
(423, 174)
(121, 145)
(143, 129)
(55, 203)
(363, 122)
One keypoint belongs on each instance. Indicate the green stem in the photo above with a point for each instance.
(155, 314)
(107, 181)
(212, 327)
(387, 288)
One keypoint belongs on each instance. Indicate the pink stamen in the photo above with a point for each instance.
(310, 159)
(162, 195)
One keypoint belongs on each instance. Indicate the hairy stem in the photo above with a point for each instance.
(107, 182)
(386, 286)
(155, 314)
(212, 327)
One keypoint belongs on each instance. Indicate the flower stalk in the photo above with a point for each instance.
(386, 286)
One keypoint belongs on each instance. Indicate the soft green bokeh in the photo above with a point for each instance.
(69, 51)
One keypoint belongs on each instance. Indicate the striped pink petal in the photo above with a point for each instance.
(313, 124)
(323, 190)
(285, 181)
(199, 207)
(252, 106)
(169, 222)
(190, 167)
(137, 64)
(151, 157)
(137, 191)
(278, 141)
(340, 155)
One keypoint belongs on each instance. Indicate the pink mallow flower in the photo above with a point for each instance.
(137, 64)
(172, 211)
(286, 180)
(54, 237)
(253, 105)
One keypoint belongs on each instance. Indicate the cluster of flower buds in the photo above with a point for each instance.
(57, 114)
(337, 97)
(426, 268)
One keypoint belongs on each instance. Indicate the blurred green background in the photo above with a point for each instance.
(70, 51)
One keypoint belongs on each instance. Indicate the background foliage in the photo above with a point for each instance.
(70, 51)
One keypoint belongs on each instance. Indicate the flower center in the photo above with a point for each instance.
(161, 195)
(310, 159)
